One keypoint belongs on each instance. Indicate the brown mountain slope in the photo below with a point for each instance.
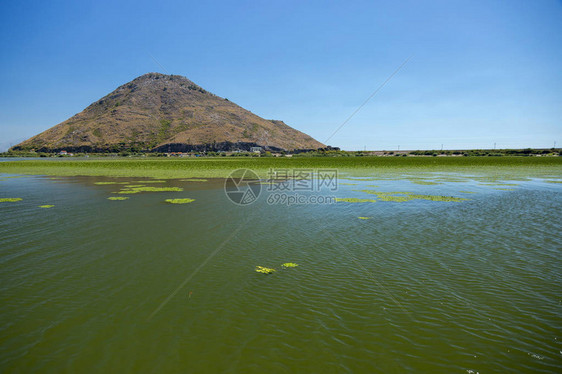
(166, 112)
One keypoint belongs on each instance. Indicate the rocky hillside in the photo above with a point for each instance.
(157, 112)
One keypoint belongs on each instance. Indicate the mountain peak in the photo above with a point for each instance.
(159, 112)
(156, 76)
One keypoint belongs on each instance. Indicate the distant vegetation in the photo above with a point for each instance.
(142, 150)
(222, 166)
(492, 152)
(434, 153)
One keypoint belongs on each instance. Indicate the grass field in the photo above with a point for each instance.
(222, 167)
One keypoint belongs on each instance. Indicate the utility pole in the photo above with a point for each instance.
(398, 146)
(494, 146)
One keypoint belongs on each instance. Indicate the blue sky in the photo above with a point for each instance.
(481, 72)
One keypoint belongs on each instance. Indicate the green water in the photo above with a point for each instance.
(141, 285)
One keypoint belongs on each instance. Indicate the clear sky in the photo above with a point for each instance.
(481, 72)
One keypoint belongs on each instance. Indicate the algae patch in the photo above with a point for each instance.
(499, 184)
(193, 180)
(397, 197)
(46, 206)
(439, 198)
(157, 189)
(289, 265)
(364, 217)
(118, 198)
(354, 200)
(264, 270)
(133, 190)
(400, 197)
(179, 201)
(422, 182)
(10, 199)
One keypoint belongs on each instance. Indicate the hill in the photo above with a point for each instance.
(157, 112)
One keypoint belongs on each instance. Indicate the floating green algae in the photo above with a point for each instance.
(110, 183)
(151, 189)
(553, 181)
(400, 197)
(46, 206)
(387, 192)
(133, 186)
(439, 198)
(10, 199)
(264, 270)
(132, 189)
(364, 217)
(467, 191)
(446, 180)
(157, 189)
(118, 198)
(348, 184)
(396, 197)
(422, 182)
(289, 265)
(354, 200)
(151, 181)
(179, 201)
(193, 180)
(499, 184)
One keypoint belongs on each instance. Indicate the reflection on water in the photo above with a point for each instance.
(97, 285)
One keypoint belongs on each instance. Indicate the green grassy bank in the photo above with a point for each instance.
(221, 167)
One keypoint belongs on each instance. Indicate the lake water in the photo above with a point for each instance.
(140, 285)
